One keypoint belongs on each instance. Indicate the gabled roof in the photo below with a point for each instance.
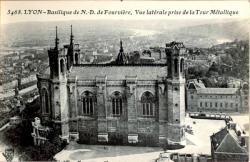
(225, 91)
(218, 137)
(226, 141)
(191, 86)
(230, 145)
(196, 84)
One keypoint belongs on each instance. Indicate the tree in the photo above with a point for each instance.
(134, 57)
(214, 69)
(196, 72)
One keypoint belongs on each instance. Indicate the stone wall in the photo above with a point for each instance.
(67, 106)
(131, 120)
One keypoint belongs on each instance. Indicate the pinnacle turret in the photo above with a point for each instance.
(56, 40)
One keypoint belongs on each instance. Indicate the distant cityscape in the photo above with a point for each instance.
(19, 67)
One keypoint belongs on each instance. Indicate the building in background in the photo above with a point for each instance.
(202, 99)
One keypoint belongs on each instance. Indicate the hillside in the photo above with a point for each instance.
(193, 33)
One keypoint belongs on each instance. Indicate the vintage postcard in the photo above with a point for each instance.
(124, 81)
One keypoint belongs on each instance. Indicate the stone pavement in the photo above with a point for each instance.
(197, 143)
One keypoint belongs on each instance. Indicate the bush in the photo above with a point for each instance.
(19, 137)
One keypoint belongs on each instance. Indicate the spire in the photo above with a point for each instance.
(121, 48)
(122, 58)
(71, 36)
(56, 40)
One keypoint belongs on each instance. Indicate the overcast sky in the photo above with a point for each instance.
(242, 6)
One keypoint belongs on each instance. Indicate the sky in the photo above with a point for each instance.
(243, 7)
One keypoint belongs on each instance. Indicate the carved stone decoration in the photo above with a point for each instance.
(100, 90)
(161, 89)
(130, 90)
(71, 89)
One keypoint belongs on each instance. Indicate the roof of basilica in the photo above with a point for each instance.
(143, 72)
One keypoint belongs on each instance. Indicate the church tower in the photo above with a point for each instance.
(57, 61)
(53, 59)
(58, 87)
(70, 50)
(175, 52)
(73, 56)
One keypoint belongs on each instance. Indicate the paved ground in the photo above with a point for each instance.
(97, 153)
(199, 142)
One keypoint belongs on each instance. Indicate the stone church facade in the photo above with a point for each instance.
(114, 103)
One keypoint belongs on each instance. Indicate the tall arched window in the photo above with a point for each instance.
(62, 66)
(88, 103)
(169, 66)
(176, 65)
(116, 104)
(76, 58)
(148, 103)
(45, 101)
(182, 65)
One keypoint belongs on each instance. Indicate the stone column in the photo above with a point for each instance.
(101, 108)
(131, 82)
(73, 111)
(72, 101)
(163, 114)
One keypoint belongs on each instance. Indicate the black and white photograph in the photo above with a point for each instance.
(124, 81)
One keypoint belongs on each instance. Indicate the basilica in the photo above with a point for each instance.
(118, 103)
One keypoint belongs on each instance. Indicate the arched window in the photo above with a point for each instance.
(169, 66)
(88, 103)
(182, 65)
(76, 58)
(45, 101)
(176, 65)
(147, 100)
(62, 66)
(116, 104)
